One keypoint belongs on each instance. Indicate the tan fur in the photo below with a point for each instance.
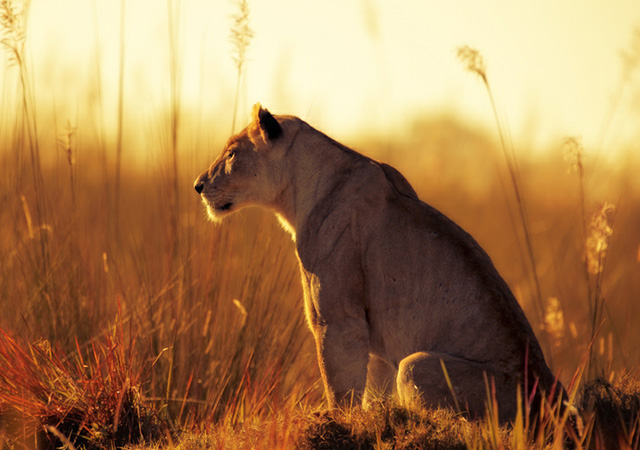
(393, 289)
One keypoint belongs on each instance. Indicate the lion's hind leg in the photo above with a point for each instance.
(421, 378)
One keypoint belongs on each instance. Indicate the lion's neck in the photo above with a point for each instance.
(318, 166)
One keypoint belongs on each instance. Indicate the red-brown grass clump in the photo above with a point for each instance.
(89, 402)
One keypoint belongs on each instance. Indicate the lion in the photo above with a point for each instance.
(400, 300)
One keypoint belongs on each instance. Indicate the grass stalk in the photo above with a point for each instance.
(596, 233)
(65, 142)
(173, 16)
(241, 35)
(100, 129)
(630, 65)
(574, 152)
(176, 268)
(475, 64)
(596, 246)
(120, 119)
(13, 23)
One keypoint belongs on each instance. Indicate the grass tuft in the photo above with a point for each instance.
(92, 402)
(615, 410)
(385, 426)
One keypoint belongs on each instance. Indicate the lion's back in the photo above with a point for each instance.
(428, 280)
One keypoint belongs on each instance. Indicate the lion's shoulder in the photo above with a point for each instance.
(398, 181)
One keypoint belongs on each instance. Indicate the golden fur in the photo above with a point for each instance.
(393, 289)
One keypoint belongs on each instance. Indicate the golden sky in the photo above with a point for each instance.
(349, 67)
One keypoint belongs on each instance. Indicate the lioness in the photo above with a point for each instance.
(394, 291)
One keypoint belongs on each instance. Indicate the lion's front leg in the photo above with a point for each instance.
(335, 305)
(343, 355)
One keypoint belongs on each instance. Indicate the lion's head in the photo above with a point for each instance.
(248, 171)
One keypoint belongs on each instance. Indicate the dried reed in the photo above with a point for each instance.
(475, 63)
(241, 36)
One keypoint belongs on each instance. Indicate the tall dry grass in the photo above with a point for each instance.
(120, 116)
(475, 63)
(215, 343)
(241, 36)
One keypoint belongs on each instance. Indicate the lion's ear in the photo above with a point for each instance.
(269, 126)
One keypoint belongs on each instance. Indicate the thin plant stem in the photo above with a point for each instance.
(120, 119)
(630, 64)
(597, 249)
(173, 20)
(100, 124)
(574, 150)
(236, 99)
(475, 63)
(241, 35)
(13, 25)
(515, 176)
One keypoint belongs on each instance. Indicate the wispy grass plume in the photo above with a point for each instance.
(475, 63)
(13, 31)
(596, 234)
(596, 249)
(241, 36)
(600, 233)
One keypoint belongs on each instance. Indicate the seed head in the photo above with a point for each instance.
(66, 143)
(573, 152)
(241, 34)
(554, 320)
(599, 236)
(473, 60)
(12, 29)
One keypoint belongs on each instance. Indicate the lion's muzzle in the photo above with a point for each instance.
(199, 183)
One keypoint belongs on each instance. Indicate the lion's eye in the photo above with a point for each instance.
(229, 161)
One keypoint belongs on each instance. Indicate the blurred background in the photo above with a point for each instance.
(353, 69)
(111, 109)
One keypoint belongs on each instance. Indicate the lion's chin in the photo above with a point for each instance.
(217, 213)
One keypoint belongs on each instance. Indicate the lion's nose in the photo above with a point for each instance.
(202, 179)
(198, 185)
